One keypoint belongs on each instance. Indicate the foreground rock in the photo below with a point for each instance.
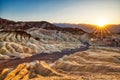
(92, 64)
(32, 71)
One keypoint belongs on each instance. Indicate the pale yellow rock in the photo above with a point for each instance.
(4, 73)
(3, 50)
(20, 74)
(26, 77)
(13, 73)
(44, 69)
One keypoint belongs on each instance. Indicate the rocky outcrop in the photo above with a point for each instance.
(27, 71)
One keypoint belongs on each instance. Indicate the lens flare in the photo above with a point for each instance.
(101, 30)
(101, 23)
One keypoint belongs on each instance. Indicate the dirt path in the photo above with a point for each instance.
(42, 56)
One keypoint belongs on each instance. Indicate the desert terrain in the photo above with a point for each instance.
(44, 51)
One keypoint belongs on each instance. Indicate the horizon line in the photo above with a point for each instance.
(55, 22)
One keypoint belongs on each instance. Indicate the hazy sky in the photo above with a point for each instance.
(62, 11)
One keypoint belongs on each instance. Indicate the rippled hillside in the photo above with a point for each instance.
(23, 39)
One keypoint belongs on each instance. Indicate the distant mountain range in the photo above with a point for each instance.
(90, 28)
(64, 27)
(12, 25)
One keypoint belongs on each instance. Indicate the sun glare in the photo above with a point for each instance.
(101, 29)
(101, 23)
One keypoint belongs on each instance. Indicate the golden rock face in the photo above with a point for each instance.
(25, 71)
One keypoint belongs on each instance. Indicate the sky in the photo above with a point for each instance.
(62, 11)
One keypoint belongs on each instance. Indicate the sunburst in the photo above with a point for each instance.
(102, 31)
(101, 23)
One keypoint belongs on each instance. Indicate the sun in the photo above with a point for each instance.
(101, 23)
(101, 29)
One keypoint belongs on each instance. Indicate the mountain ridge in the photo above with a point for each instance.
(12, 25)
